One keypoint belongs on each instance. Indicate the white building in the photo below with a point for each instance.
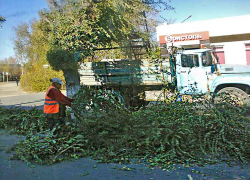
(229, 37)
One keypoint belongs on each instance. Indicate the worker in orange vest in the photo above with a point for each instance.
(55, 103)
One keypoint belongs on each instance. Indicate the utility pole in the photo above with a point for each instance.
(7, 76)
(22, 68)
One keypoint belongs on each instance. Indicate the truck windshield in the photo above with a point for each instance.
(189, 60)
(206, 59)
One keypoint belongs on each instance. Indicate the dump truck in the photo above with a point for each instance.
(190, 72)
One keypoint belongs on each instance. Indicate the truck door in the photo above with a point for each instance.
(191, 76)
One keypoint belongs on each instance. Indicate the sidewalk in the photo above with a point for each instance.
(10, 89)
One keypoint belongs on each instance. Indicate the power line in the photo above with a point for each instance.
(186, 18)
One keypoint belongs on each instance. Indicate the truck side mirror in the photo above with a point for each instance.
(213, 68)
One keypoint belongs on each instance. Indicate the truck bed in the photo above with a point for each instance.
(125, 72)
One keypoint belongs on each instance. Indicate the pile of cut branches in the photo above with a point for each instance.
(23, 121)
(178, 132)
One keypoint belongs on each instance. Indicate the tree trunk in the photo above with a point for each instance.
(72, 81)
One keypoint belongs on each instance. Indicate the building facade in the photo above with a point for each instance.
(228, 37)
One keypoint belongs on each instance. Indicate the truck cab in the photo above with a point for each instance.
(192, 70)
(198, 73)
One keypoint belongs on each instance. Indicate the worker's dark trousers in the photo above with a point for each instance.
(54, 121)
(57, 118)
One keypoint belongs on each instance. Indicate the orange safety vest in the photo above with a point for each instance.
(50, 106)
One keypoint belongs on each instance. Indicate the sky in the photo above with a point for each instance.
(206, 9)
(17, 11)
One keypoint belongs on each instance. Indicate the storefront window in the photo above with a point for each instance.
(189, 60)
(206, 59)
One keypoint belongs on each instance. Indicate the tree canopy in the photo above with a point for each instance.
(73, 30)
(31, 46)
(78, 28)
(85, 26)
(2, 19)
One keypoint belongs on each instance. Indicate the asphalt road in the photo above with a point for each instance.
(85, 168)
(12, 95)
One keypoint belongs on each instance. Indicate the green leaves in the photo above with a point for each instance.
(23, 121)
(163, 134)
(79, 28)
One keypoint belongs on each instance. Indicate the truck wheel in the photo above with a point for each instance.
(233, 96)
(136, 103)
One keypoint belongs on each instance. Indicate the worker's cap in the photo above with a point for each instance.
(57, 80)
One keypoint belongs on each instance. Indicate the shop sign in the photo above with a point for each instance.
(184, 37)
